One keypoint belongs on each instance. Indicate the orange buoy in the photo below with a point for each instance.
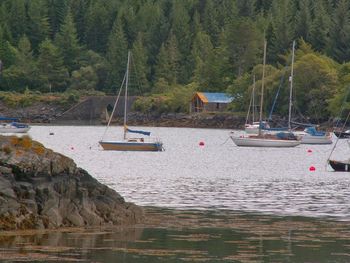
(312, 169)
(201, 143)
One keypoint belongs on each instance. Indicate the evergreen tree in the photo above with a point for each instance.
(272, 49)
(140, 63)
(282, 25)
(23, 73)
(245, 8)
(16, 18)
(52, 73)
(263, 6)
(38, 27)
(67, 42)
(128, 20)
(181, 29)
(242, 43)
(116, 55)
(339, 42)
(97, 26)
(57, 10)
(7, 52)
(214, 74)
(202, 49)
(210, 22)
(303, 21)
(79, 9)
(167, 67)
(319, 32)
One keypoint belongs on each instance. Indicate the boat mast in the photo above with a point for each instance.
(291, 89)
(126, 93)
(262, 88)
(251, 104)
(253, 99)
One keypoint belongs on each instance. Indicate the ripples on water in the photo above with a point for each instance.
(218, 175)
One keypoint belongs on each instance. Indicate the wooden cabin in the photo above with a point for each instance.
(210, 101)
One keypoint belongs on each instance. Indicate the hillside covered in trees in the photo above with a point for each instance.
(178, 47)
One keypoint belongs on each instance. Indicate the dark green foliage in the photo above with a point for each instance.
(57, 10)
(38, 26)
(168, 62)
(116, 56)
(213, 45)
(339, 43)
(67, 42)
(53, 74)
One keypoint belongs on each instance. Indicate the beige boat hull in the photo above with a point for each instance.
(262, 142)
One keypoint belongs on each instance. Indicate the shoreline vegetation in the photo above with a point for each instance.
(36, 108)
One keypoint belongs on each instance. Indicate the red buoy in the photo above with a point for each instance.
(309, 151)
(201, 143)
(312, 169)
(72, 148)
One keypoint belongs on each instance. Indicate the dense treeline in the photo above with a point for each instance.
(178, 47)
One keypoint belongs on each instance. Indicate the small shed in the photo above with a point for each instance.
(210, 101)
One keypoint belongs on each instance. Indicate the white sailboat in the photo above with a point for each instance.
(310, 135)
(129, 143)
(11, 125)
(281, 139)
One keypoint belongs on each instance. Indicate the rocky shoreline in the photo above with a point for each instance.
(56, 114)
(41, 189)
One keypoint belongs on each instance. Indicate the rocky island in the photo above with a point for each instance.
(42, 189)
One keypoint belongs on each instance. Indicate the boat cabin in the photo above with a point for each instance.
(210, 101)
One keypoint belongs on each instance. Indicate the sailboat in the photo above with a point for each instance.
(280, 139)
(11, 125)
(311, 136)
(253, 128)
(129, 143)
(339, 165)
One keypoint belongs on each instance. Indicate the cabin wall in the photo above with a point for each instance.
(197, 104)
(215, 107)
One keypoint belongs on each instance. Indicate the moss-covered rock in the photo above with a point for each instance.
(43, 189)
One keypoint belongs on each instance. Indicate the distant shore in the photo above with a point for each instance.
(55, 114)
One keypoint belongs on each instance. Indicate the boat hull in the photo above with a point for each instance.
(252, 130)
(342, 135)
(261, 142)
(339, 166)
(14, 130)
(132, 146)
(310, 139)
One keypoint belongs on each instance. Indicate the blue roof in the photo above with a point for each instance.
(217, 97)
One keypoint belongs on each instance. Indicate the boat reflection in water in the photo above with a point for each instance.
(190, 236)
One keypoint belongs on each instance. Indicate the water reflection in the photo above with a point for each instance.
(190, 236)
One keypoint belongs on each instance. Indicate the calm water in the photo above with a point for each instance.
(211, 203)
(218, 175)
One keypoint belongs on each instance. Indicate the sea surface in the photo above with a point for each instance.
(218, 175)
(205, 199)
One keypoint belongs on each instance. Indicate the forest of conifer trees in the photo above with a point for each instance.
(180, 46)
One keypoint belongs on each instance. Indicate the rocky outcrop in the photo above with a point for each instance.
(42, 189)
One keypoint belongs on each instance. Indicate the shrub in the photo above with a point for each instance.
(6, 149)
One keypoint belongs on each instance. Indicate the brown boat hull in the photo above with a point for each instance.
(132, 146)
